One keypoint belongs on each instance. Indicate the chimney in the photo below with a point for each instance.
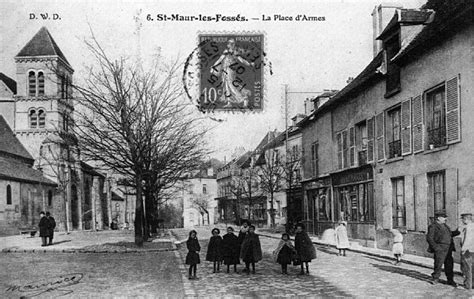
(381, 15)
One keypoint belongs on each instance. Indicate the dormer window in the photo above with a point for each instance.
(392, 82)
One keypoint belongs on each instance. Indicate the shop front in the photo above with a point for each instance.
(318, 207)
(353, 201)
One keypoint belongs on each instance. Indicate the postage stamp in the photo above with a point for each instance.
(229, 69)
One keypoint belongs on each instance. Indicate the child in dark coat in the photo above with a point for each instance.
(192, 258)
(214, 249)
(284, 252)
(230, 249)
(304, 248)
(251, 251)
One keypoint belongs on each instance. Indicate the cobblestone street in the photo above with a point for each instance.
(357, 275)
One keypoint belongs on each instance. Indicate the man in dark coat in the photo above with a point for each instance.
(43, 228)
(51, 227)
(440, 240)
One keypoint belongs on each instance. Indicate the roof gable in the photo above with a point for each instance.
(42, 44)
(9, 82)
(9, 144)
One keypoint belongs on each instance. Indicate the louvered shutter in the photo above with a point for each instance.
(352, 148)
(345, 149)
(370, 141)
(379, 130)
(406, 127)
(417, 123)
(339, 150)
(453, 123)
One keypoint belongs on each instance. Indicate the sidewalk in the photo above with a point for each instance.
(109, 241)
(386, 254)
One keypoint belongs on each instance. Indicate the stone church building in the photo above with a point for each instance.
(38, 106)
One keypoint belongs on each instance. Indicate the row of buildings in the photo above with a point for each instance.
(41, 168)
(390, 148)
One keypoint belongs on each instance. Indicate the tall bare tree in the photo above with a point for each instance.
(272, 175)
(137, 123)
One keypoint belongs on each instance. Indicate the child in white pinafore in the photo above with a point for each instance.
(342, 241)
(397, 248)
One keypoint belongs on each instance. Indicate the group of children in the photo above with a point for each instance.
(230, 249)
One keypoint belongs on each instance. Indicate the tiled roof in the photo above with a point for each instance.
(450, 17)
(15, 170)
(10, 144)
(42, 44)
(9, 82)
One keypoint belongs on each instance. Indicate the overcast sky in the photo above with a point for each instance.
(308, 56)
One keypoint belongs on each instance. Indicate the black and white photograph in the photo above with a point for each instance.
(236, 149)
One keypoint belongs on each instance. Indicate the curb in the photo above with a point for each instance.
(369, 253)
(86, 251)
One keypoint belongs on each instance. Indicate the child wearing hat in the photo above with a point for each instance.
(342, 241)
(284, 253)
(192, 258)
(230, 249)
(304, 248)
(214, 250)
(251, 251)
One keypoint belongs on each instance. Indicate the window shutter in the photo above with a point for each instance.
(352, 148)
(410, 202)
(421, 202)
(339, 150)
(417, 123)
(406, 127)
(451, 184)
(453, 124)
(345, 149)
(379, 127)
(386, 201)
(370, 141)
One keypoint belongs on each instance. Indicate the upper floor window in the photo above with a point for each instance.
(31, 84)
(393, 131)
(314, 159)
(40, 84)
(41, 118)
(392, 83)
(9, 195)
(33, 118)
(342, 150)
(361, 140)
(50, 198)
(436, 118)
(204, 189)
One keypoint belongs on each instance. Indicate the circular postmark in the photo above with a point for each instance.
(225, 72)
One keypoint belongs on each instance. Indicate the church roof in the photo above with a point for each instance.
(9, 144)
(42, 44)
(9, 82)
(15, 170)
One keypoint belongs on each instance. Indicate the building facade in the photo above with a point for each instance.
(392, 147)
(40, 111)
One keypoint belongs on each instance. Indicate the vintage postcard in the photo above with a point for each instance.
(236, 149)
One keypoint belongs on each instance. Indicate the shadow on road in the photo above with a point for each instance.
(60, 242)
(402, 271)
(327, 250)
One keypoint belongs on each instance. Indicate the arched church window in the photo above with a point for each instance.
(41, 118)
(40, 84)
(9, 195)
(33, 119)
(50, 198)
(31, 84)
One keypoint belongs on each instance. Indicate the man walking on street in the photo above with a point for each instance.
(51, 227)
(467, 249)
(440, 239)
(43, 228)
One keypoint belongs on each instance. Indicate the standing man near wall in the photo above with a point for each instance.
(467, 249)
(43, 228)
(51, 227)
(440, 240)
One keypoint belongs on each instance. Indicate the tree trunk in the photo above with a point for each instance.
(272, 212)
(139, 213)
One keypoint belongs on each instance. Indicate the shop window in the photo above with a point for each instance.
(50, 198)
(435, 118)
(394, 133)
(355, 203)
(41, 118)
(398, 200)
(314, 159)
(31, 84)
(33, 116)
(324, 205)
(40, 84)
(9, 195)
(437, 190)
